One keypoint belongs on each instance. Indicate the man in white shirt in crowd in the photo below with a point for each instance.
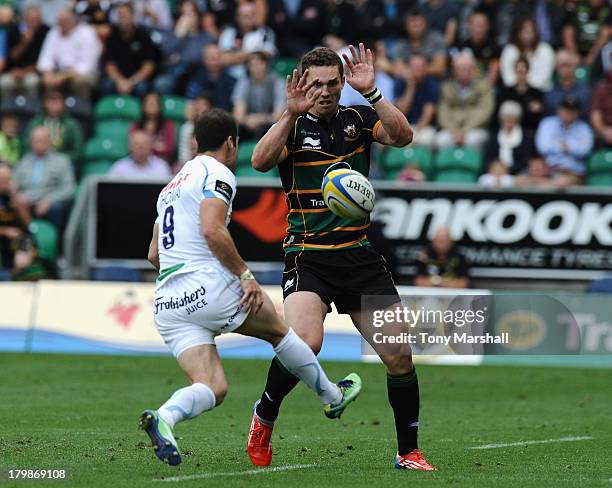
(70, 56)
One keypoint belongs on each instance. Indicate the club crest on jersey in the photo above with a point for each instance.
(350, 133)
(311, 143)
(224, 188)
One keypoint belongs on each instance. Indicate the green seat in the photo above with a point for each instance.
(601, 161)
(456, 176)
(117, 107)
(458, 165)
(105, 149)
(92, 168)
(599, 168)
(284, 66)
(245, 151)
(397, 158)
(112, 129)
(173, 108)
(601, 179)
(45, 236)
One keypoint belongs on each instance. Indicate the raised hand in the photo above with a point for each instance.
(301, 96)
(360, 70)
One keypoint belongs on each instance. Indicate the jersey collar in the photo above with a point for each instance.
(317, 119)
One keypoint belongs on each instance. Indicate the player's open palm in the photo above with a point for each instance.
(301, 96)
(360, 70)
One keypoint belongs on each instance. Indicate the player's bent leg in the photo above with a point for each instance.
(293, 353)
(296, 357)
(305, 312)
(202, 366)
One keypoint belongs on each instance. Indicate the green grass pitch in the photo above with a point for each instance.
(80, 413)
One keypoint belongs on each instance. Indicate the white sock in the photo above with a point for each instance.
(299, 359)
(187, 403)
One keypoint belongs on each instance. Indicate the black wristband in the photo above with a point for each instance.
(370, 94)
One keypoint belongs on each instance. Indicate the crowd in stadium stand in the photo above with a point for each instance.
(521, 90)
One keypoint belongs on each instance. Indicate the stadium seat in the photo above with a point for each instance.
(117, 107)
(116, 129)
(284, 66)
(92, 168)
(105, 149)
(117, 273)
(245, 151)
(458, 165)
(20, 105)
(78, 107)
(174, 108)
(599, 168)
(45, 236)
(397, 158)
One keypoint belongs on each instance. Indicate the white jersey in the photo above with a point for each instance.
(182, 247)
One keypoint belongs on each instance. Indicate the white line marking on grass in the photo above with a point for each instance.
(526, 443)
(203, 476)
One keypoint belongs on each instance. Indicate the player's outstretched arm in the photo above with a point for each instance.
(301, 97)
(360, 74)
(212, 219)
(153, 255)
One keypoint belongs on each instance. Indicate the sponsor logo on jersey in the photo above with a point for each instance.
(350, 133)
(176, 181)
(193, 301)
(224, 188)
(311, 143)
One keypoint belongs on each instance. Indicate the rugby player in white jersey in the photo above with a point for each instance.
(204, 289)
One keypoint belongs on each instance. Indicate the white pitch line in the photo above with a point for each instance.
(203, 476)
(526, 443)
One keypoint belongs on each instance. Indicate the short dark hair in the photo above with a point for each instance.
(212, 128)
(517, 31)
(415, 12)
(523, 60)
(128, 5)
(321, 56)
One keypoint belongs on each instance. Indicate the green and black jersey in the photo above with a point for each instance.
(312, 147)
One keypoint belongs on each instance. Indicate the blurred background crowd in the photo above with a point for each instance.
(500, 93)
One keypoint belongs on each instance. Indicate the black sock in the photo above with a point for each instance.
(280, 382)
(404, 399)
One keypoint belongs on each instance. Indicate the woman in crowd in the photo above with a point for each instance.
(161, 130)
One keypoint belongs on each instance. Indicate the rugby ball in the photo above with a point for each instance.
(348, 193)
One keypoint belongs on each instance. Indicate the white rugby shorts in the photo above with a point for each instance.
(192, 308)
